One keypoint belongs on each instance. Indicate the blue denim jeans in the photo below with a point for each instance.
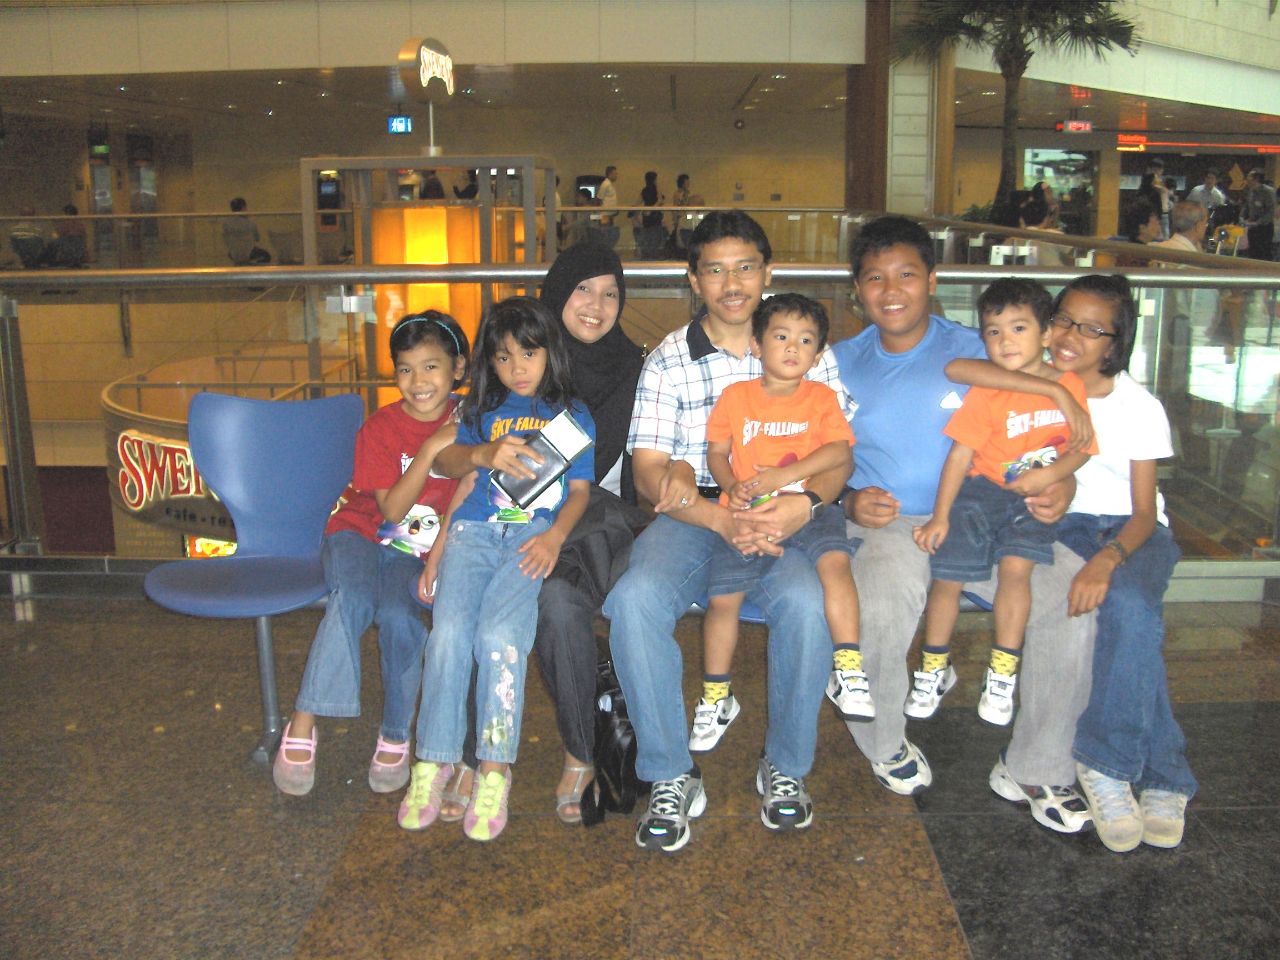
(485, 616)
(368, 583)
(1128, 731)
(669, 569)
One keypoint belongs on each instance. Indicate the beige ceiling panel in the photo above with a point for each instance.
(646, 31)
(553, 31)
(471, 30)
(26, 47)
(190, 37)
(829, 31)
(277, 35)
(94, 41)
(742, 31)
(359, 33)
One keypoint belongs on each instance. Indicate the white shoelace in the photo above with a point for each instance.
(1114, 798)
(668, 797)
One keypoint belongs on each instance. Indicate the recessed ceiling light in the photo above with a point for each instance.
(469, 91)
(269, 112)
(279, 83)
(122, 88)
(841, 98)
(608, 76)
(231, 106)
(44, 101)
(324, 93)
(766, 89)
(749, 107)
(988, 93)
(957, 103)
(779, 76)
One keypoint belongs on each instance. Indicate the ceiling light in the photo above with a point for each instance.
(269, 112)
(748, 107)
(608, 76)
(957, 103)
(44, 101)
(231, 106)
(841, 98)
(122, 88)
(629, 106)
(988, 93)
(766, 89)
(324, 93)
(469, 91)
(279, 83)
(779, 76)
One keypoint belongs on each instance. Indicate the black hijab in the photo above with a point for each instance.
(604, 373)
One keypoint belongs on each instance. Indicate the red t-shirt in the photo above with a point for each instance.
(768, 431)
(1010, 432)
(385, 446)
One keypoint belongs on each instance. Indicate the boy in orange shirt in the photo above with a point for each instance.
(764, 436)
(1007, 446)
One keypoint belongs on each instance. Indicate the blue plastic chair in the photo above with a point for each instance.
(279, 468)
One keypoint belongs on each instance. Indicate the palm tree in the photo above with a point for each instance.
(1013, 30)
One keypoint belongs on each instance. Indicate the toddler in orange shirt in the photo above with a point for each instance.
(1007, 446)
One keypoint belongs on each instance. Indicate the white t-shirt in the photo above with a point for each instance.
(1130, 424)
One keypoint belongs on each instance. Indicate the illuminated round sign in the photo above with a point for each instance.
(422, 61)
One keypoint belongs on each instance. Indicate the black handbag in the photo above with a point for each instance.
(616, 786)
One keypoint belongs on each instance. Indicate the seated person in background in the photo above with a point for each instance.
(432, 188)
(240, 234)
(764, 437)
(1038, 214)
(30, 240)
(70, 248)
(1007, 446)
(1139, 223)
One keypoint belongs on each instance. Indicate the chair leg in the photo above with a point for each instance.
(265, 751)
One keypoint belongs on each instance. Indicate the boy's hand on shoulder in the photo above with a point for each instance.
(872, 507)
(931, 536)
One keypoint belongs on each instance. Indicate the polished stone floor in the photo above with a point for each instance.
(135, 826)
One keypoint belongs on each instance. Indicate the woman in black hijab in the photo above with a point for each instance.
(586, 289)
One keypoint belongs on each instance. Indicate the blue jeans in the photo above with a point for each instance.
(1128, 731)
(485, 616)
(368, 583)
(670, 567)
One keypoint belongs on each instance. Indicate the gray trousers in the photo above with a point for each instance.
(892, 575)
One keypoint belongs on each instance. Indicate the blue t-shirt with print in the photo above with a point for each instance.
(521, 415)
(904, 402)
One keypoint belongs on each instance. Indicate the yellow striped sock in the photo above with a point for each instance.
(1004, 662)
(713, 691)
(933, 662)
(847, 658)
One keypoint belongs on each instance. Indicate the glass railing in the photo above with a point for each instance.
(1208, 346)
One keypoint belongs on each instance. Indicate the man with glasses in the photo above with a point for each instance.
(896, 371)
(729, 270)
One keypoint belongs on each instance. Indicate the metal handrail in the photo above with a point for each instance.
(645, 271)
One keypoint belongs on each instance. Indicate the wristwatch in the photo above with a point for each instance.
(816, 506)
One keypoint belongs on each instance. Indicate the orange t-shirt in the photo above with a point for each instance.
(767, 431)
(1010, 432)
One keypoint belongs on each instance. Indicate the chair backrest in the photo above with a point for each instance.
(278, 466)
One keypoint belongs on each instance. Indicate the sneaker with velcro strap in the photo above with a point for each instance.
(927, 690)
(995, 704)
(850, 691)
(785, 803)
(711, 721)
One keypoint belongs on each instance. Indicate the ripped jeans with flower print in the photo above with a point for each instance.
(484, 619)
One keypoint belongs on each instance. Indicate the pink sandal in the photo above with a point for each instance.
(295, 777)
(389, 777)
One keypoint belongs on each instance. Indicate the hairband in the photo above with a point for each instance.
(420, 318)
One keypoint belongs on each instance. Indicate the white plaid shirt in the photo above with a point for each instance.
(681, 381)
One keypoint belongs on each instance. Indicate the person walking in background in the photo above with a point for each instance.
(1259, 214)
(607, 194)
(649, 232)
(1207, 194)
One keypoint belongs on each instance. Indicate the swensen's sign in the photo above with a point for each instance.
(421, 61)
(154, 478)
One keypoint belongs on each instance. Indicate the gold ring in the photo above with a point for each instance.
(769, 538)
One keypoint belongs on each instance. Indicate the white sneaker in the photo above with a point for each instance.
(907, 772)
(710, 721)
(850, 691)
(996, 703)
(927, 691)
(1116, 814)
(1164, 817)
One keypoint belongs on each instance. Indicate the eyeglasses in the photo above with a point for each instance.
(717, 273)
(1087, 330)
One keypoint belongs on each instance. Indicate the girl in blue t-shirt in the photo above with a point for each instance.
(491, 558)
